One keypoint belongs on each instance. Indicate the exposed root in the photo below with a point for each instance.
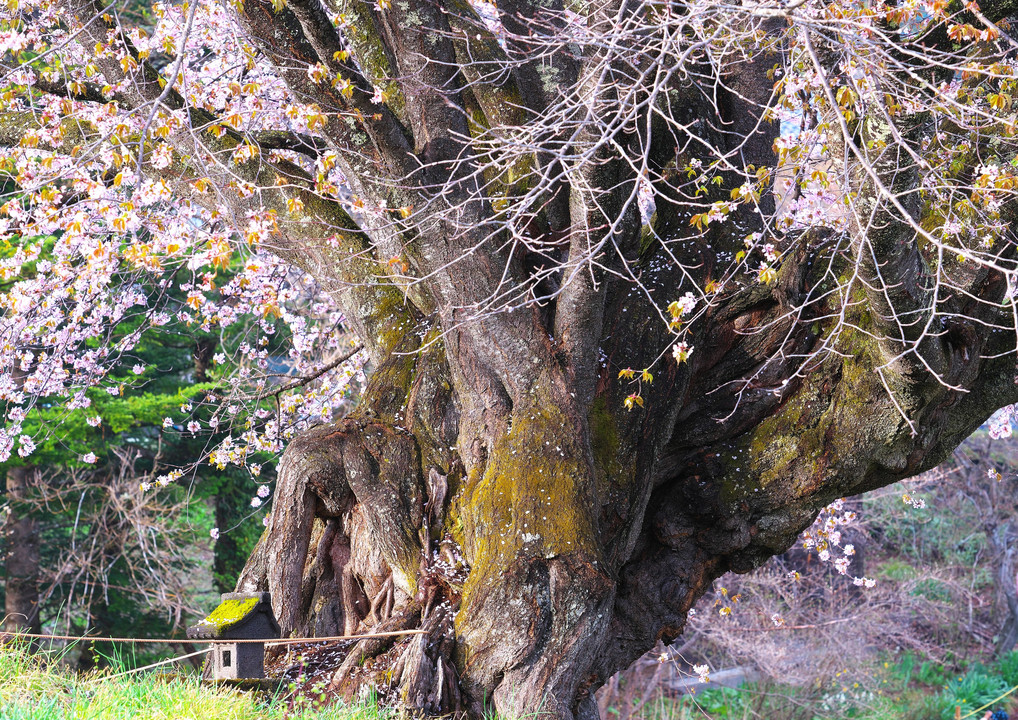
(425, 676)
(370, 648)
(381, 605)
(415, 672)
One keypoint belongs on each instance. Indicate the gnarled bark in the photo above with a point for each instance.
(565, 540)
(492, 487)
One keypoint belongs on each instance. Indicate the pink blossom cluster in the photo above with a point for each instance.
(1000, 423)
(824, 537)
(93, 253)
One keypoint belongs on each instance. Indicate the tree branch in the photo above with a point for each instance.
(301, 382)
(284, 39)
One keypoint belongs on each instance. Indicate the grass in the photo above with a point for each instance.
(37, 687)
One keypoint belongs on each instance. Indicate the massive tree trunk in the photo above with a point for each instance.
(555, 542)
(492, 487)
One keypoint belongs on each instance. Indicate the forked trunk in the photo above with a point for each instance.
(515, 482)
(545, 542)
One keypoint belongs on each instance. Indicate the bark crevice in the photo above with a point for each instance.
(568, 540)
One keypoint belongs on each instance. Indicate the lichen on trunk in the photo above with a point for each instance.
(544, 543)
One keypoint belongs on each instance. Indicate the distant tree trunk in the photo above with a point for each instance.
(21, 599)
(231, 548)
(1002, 542)
(204, 349)
(228, 555)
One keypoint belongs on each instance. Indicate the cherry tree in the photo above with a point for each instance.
(643, 287)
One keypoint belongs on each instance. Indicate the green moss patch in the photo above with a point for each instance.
(229, 614)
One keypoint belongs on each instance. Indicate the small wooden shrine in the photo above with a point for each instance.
(240, 616)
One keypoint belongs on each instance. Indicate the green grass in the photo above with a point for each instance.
(36, 687)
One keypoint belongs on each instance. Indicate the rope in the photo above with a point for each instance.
(268, 641)
(104, 678)
(999, 697)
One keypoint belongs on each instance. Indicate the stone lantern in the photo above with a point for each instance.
(240, 616)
